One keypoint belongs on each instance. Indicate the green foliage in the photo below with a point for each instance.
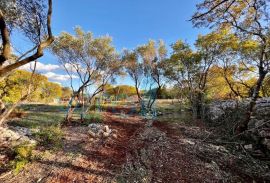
(39, 119)
(266, 87)
(121, 91)
(93, 117)
(23, 154)
(66, 92)
(24, 151)
(16, 85)
(19, 165)
(50, 136)
(51, 91)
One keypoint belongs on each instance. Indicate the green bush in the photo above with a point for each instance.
(50, 136)
(93, 117)
(23, 154)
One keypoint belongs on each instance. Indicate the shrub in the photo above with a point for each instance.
(93, 117)
(23, 154)
(50, 136)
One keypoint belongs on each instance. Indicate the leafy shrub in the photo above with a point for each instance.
(93, 117)
(98, 107)
(23, 154)
(50, 136)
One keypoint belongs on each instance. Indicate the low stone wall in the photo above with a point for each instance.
(259, 125)
(15, 136)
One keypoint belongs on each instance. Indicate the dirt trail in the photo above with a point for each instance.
(82, 159)
(164, 152)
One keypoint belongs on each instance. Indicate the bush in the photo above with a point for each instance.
(23, 154)
(93, 117)
(50, 136)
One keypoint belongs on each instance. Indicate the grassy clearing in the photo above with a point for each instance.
(38, 119)
(42, 116)
(47, 119)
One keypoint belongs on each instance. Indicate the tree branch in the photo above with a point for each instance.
(40, 47)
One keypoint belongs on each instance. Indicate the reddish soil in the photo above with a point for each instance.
(82, 159)
(160, 153)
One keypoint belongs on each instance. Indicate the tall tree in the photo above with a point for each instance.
(250, 20)
(134, 69)
(29, 17)
(183, 68)
(33, 19)
(153, 55)
(94, 61)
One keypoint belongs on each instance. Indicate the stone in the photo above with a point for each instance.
(114, 136)
(186, 141)
(264, 133)
(248, 146)
(266, 142)
(23, 131)
(259, 123)
(106, 129)
(106, 134)
(92, 134)
(15, 137)
(100, 131)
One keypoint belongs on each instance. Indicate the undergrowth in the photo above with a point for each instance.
(23, 155)
(50, 137)
(93, 117)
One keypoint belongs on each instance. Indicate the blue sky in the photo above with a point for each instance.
(129, 22)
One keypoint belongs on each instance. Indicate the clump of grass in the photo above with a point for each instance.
(23, 154)
(93, 117)
(50, 136)
(98, 107)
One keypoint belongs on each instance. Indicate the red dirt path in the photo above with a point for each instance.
(162, 151)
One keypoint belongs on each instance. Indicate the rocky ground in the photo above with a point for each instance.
(230, 113)
(135, 151)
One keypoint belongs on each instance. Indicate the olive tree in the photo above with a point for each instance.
(32, 18)
(249, 20)
(94, 61)
(144, 66)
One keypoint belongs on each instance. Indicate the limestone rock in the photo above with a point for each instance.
(259, 123)
(266, 142)
(15, 136)
(265, 133)
(248, 147)
(100, 131)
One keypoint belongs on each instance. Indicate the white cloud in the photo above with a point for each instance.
(59, 77)
(40, 67)
(72, 68)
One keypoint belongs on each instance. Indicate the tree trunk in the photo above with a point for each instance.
(252, 104)
(196, 104)
(138, 93)
(82, 111)
(5, 40)
(154, 97)
(2, 107)
(199, 106)
(7, 112)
